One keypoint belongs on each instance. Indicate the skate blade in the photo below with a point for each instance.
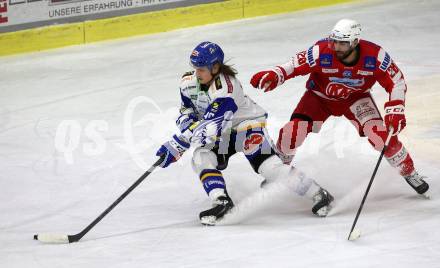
(426, 195)
(208, 220)
(323, 212)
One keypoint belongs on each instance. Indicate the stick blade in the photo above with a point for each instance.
(52, 238)
(355, 234)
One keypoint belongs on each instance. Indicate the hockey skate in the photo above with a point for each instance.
(321, 203)
(418, 184)
(221, 206)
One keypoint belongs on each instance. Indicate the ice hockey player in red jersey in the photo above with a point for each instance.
(342, 70)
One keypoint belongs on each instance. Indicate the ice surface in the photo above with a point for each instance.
(79, 125)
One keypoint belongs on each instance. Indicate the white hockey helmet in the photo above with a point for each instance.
(346, 30)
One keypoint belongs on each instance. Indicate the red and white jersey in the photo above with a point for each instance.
(331, 79)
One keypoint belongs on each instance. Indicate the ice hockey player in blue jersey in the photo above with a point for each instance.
(219, 120)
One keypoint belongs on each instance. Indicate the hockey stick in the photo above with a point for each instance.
(356, 234)
(64, 239)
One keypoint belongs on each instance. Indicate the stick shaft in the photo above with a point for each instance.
(371, 181)
(78, 236)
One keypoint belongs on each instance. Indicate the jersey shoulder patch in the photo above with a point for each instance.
(384, 60)
(224, 84)
(218, 83)
(188, 82)
(369, 55)
(313, 55)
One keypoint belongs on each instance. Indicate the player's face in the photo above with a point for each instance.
(203, 75)
(342, 48)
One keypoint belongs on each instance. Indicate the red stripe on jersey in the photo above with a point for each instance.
(228, 82)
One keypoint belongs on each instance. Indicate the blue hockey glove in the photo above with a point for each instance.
(172, 150)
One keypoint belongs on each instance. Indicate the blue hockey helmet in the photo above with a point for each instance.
(206, 54)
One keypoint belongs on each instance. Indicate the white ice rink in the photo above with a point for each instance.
(79, 125)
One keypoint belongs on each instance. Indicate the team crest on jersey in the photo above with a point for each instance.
(339, 91)
(326, 60)
(347, 73)
(253, 143)
(370, 63)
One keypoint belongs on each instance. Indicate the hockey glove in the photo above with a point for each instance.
(267, 80)
(172, 150)
(395, 116)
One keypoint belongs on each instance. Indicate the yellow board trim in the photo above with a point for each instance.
(254, 8)
(41, 38)
(147, 23)
(162, 21)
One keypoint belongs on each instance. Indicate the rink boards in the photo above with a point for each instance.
(89, 31)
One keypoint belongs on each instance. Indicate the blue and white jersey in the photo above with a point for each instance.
(224, 100)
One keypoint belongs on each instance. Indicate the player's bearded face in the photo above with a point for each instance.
(342, 48)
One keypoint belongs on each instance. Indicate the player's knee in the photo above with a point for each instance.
(293, 134)
(270, 169)
(273, 168)
(376, 133)
(203, 159)
(377, 142)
